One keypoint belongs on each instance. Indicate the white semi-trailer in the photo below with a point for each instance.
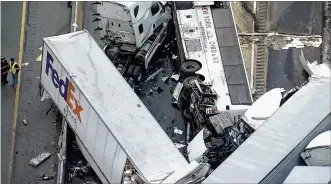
(112, 125)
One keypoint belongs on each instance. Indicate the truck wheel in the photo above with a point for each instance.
(189, 67)
(187, 114)
(188, 82)
(129, 72)
(136, 74)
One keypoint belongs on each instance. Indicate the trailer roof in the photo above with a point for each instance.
(123, 113)
(303, 115)
(309, 174)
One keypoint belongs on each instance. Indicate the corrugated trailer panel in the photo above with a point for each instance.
(271, 152)
(309, 174)
(94, 133)
(107, 116)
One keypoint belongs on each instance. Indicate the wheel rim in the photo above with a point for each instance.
(191, 82)
(190, 67)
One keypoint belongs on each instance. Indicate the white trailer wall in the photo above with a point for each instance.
(115, 124)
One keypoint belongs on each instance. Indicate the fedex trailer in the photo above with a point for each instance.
(112, 126)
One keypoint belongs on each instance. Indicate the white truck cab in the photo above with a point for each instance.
(132, 25)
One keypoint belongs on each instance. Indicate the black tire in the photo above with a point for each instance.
(129, 72)
(187, 115)
(136, 74)
(188, 82)
(189, 67)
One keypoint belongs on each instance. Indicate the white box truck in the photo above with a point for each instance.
(112, 125)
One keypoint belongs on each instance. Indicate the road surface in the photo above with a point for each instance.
(296, 17)
(10, 31)
(304, 18)
(41, 134)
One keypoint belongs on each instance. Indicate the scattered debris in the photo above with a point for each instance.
(164, 79)
(179, 145)
(45, 95)
(40, 159)
(177, 131)
(154, 74)
(155, 88)
(149, 92)
(166, 45)
(25, 122)
(177, 91)
(45, 177)
(130, 175)
(80, 170)
(25, 64)
(174, 56)
(175, 77)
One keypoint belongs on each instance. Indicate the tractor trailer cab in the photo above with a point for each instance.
(137, 28)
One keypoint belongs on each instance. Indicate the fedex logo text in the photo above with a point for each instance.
(66, 89)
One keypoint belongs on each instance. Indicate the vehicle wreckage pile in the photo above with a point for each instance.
(221, 135)
(215, 134)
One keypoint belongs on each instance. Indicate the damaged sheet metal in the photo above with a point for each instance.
(154, 74)
(221, 121)
(191, 173)
(314, 68)
(177, 131)
(318, 151)
(45, 95)
(175, 77)
(40, 159)
(197, 146)
(177, 91)
(264, 155)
